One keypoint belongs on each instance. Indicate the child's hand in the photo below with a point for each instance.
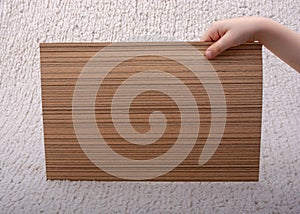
(229, 33)
(282, 41)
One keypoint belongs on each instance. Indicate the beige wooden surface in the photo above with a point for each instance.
(237, 157)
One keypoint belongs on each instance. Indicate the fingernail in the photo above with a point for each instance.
(209, 54)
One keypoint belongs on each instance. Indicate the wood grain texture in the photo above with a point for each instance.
(239, 70)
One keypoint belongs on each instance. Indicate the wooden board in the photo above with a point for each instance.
(86, 130)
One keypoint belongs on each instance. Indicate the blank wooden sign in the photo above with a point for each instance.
(151, 111)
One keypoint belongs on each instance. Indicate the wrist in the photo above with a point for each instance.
(262, 28)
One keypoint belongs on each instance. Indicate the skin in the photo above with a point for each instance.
(282, 41)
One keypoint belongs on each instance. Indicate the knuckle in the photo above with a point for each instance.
(213, 24)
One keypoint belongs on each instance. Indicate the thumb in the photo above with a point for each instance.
(219, 46)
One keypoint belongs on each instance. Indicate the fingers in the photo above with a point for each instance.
(218, 33)
(229, 33)
(212, 34)
(218, 47)
(206, 37)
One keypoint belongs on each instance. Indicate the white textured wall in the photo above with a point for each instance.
(23, 187)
